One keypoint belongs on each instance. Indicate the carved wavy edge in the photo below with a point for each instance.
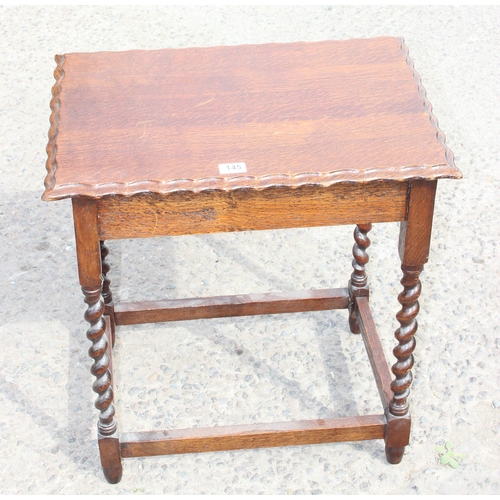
(55, 104)
(428, 109)
(324, 179)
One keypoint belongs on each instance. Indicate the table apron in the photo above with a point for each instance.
(147, 215)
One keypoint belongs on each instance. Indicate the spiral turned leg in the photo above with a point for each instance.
(106, 291)
(405, 335)
(99, 352)
(358, 282)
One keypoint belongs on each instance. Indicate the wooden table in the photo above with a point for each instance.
(200, 140)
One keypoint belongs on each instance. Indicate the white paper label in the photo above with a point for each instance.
(232, 168)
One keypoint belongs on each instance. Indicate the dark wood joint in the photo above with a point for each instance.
(357, 292)
(109, 309)
(397, 437)
(111, 460)
(397, 432)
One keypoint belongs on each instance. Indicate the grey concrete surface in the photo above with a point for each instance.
(291, 367)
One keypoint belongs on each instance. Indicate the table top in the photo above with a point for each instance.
(247, 116)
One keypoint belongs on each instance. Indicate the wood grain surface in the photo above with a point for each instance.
(415, 232)
(140, 444)
(374, 350)
(88, 250)
(149, 215)
(295, 114)
(133, 313)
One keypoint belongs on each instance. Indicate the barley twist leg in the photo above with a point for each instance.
(106, 291)
(405, 335)
(99, 352)
(358, 282)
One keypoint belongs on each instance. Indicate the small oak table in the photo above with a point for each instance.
(200, 140)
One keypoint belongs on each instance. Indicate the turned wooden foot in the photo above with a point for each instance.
(358, 282)
(113, 475)
(109, 448)
(394, 455)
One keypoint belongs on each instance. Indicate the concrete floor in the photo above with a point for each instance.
(292, 367)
